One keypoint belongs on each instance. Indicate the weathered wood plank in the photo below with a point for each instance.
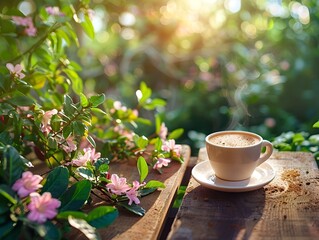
(287, 208)
(130, 226)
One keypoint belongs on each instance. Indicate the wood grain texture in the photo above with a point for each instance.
(286, 208)
(130, 226)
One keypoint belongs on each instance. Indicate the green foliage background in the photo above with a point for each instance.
(218, 67)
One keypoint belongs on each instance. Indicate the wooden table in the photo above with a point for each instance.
(130, 226)
(286, 208)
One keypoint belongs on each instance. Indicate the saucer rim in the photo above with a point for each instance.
(250, 187)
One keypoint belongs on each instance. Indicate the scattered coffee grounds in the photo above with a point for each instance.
(292, 177)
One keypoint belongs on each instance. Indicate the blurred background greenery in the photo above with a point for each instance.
(219, 64)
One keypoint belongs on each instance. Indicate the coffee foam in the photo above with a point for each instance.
(234, 140)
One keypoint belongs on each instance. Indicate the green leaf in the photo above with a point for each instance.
(141, 142)
(12, 166)
(98, 111)
(143, 94)
(104, 168)
(91, 141)
(75, 197)
(84, 227)
(158, 123)
(154, 184)
(83, 100)
(64, 35)
(56, 182)
(75, 214)
(136, 209)
(298, 138)
(88, 27)
(7, 193)
(100, 162)
(102, 216)
(157, 143)
(47, 231)
(85, 173)
(316, 125)
(142, 168)
(144, 121)
(52, 143)
(78, 128)
(146, 191)
(19, 99)
(97, 100)
(68, 107)
(176, 133)
(154, 103)
(77, 84)
(6, 228)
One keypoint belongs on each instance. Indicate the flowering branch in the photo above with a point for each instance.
(44, 115)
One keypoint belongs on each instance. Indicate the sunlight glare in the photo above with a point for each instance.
(301, 12)
(233, 6)
(127, 19)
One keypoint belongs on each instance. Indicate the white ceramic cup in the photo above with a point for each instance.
(234, 155)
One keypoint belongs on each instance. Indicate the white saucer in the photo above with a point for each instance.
(204, 174)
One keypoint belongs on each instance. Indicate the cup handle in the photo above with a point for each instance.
(264, 156)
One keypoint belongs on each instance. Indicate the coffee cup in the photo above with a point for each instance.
(234, 155)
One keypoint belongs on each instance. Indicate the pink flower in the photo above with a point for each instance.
(42, 207)
(89, 155)
(132, 196)
(16, 70)
(70, 146)
(30, 30)
(163, 131)
(132, 193)
(93, 156)
(161, 162)
(46, 120)
(81, 160)
(54, 11)
(118, 185)
(118, 106)
(22, 21)
(135, 112)
(171, 146)
(29, 183)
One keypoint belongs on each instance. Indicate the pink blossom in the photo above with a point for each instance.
(46, 120)
(118, 185)
(70, 146)
(89, 155)
(171, 146)
(42, 207)
(16, 70)
(161, 162)
(22, 21)
(270, 122)
(54, 11)
(132, 193)
(31, 31)
(93, 155)
(132, 196)
(118, 106)
(163, 131)
(135, 112)
(124, 132)
(81, 160)
(29, 183)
